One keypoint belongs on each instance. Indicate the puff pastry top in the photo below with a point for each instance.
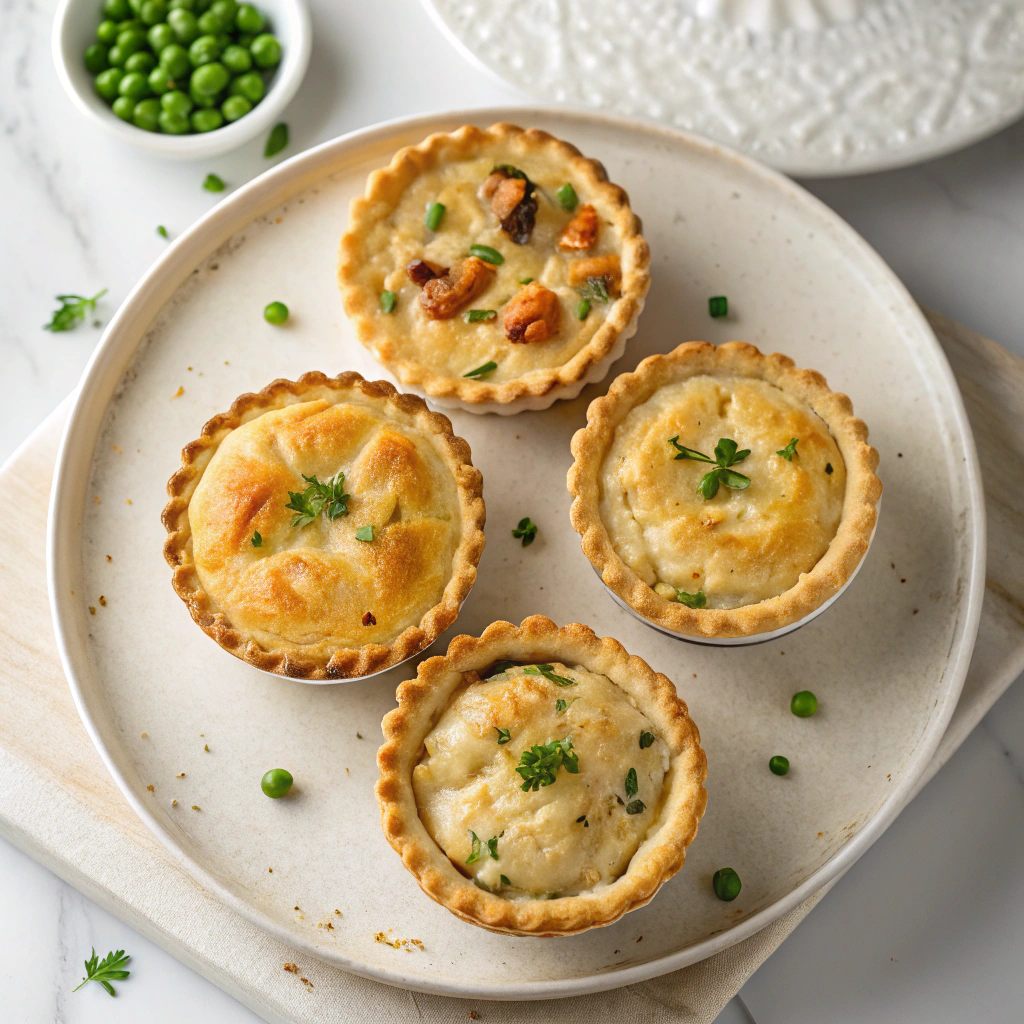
(387, 232)
(565, 838)
(309, 592)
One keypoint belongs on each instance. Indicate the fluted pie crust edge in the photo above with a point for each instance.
(836, 567)
(344, 662)
(422, 700)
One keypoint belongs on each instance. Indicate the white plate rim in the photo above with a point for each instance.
(108, 363)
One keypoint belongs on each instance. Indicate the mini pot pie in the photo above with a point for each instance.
(496, 268)
(538, 780)
(325, 528)
(722, 493)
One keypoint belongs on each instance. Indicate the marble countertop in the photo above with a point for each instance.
(926, 927)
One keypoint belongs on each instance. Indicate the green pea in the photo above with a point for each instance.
(106, 32)
(174, 124)
(107, 82)
(202, 100)
(147, 115)
(276, 783)
(226, 10)
(245, 39)
(726, 884)
(117, 10)
(248, 19)
(134, 86)
(176, 102)
(96, 58)
(204, 50)
(210, 23)
(124, 108)
(130, 25)
(206, 120)
(159, 81)
(115, 57)
(276, 313)
(236, 59)
(778, 765)
(266, 51)
(141, 61)
(203, 5)
(135, 5)
(223, 39)
(184, 25)
(183, 5)
(152, 12)
(210, 79)
(803, 704)
(160, 36)
(174, 60)
(249, 85)
(131, 40)
(235, 107)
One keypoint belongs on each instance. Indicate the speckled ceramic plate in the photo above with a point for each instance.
(887, 662)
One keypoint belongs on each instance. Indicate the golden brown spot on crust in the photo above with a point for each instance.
(581, 232)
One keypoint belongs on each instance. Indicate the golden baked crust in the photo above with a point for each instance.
(815, 583)
(422, 701)
(301, 603)
(386, 231)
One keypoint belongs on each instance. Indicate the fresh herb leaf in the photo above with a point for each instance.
(110, 968)
(564, 705)
(635, 807)
(387, 301)
(503, 735)
(257, 540)
(213, 183)
(708, 486)
(478, 316)
(790, 450)
(73, 308)
(688, 453)
(539, 765)
(726, 453)
(631, 784)
(646, 739)
(567, 197)
(482, 371)
(504, 880)
(328, 497)
(432, 219)
(737, 481)
(718, 306)
(511, 171)
(596, 289)
(477, 848)
(525, 280)
(525, 530)
(161, 231)
(276, 140)
(698, 600)
(499, 666)
(583, 309)
(548, 673)
(364, 533)
(487, 254)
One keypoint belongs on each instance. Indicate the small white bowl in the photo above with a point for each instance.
(74, 28)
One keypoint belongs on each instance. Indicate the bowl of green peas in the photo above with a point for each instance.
(186, 79)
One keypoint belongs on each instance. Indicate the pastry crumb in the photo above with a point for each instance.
(109, 559)
(92, 610)
(145, 734)
(206, 747)
(96, 498)
(103, 601)
(406, 944)
(359, 735)
(271, 870)
(195, 807)
(181, 776)
(127, 501)
(473, 1015)
(174, 803)
(338, 912)
(179, 392)
(291, 968)
(151, 788)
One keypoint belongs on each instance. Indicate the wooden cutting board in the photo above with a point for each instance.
(61, 807)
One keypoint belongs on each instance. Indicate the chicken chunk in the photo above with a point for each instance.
(581, 232)
(532, 314)
(609, 267)
(443, 297)
(507, 196)
(422, 271)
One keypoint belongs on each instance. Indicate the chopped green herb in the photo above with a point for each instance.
(688, 453)
(432, 220)
(635, 807)
(161, 231)
(778, 765)
(212, 183)
(726, 884)
(511, 171)
(828, 468)
(276, 140)
(503, 735)
(567, 197)
(596, 289)
(582, 817)
(499, 666)
(477, 848)
(631, 784)
(803, 704)
(525, 530)
(482, 371)
(257, 540)
(73, 308)
(504, 880)
(790, 450)
(329, 497)
(487, 254)
(646, 739)
(698, 600)
(476, 316)
(718, 306)
(548, 673)
(525, 280)
(725, 455)
(364, 533)
(387, 301)
(539, 765)
(563, 705)
(110, 968)
(583, 309)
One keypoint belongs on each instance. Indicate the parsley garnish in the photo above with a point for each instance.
(109, 969)
(563, 705)
(73, 308)
(503, 735)
(596, 289)
(387, 301)
(635, 807)
(479, 316)
(257, 540)
(511, 171)
(526, 530)
(161, 230)
(212, 183)
(482, 371)
(276, 140)
(726, 454)
(790, 450)
(477, 848)
(539, 765)
(646, 739)
(698, 600)
(548, 673)
(631, 784)
(364, 533)
(718, 306)
(329, 497)
(504, 880)
(499, 666)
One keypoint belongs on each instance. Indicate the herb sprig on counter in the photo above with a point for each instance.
(539, 765)
(526, 530)
(73, 309)
(110, 968)
(328, 497)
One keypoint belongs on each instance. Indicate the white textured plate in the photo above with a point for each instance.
(886, 663)
(812, 87)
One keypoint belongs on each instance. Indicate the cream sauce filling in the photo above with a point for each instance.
(742, 546)
(566, 838)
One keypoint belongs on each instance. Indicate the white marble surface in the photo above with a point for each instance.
(925, 928)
